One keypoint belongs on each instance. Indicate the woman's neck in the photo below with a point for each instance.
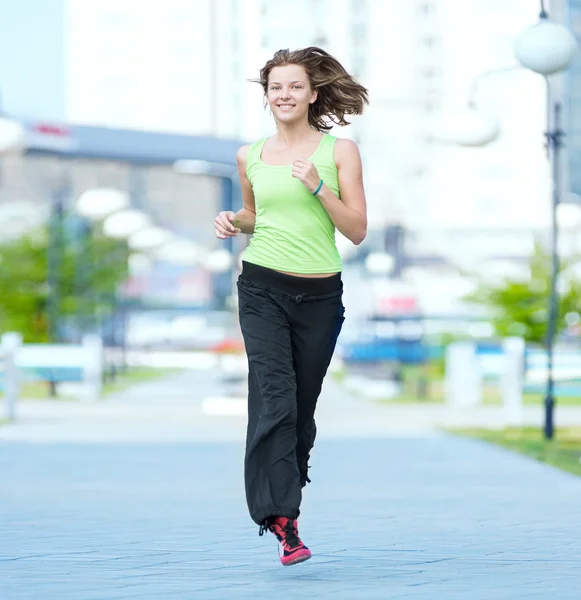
(293, 135)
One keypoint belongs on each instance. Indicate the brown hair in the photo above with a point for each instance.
(339, 94)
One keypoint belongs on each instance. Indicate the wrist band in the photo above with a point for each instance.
(318, 189)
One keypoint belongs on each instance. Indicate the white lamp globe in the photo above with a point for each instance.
(466, 127)
(12, 136)
(124, 223)
(379, 263)
(99, 202)
(21, 217)
(569, 215)
(180, 252)
(218, 261)
(150, 237)
(545, 48)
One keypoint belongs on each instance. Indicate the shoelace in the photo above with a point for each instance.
(291, 535)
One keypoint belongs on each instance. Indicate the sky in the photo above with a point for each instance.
(32, 69)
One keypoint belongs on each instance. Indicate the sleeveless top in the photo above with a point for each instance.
(293, 231)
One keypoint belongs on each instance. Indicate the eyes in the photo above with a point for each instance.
(277, 87)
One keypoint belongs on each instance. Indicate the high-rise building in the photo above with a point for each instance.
(141, 65)
(571, 17)
(185, 65)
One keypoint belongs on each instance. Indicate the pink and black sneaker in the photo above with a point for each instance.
(291, 548)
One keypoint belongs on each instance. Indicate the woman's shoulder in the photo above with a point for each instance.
(345, 150)
(247, 152)
(345, 144)
(342, 144)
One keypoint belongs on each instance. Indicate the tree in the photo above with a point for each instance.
(521, 306)
(85, 272)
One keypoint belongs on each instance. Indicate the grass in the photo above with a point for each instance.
(40, 389)
(490, 397)
(563, 451)
(434, 393)
(35, 390)
(135, 375)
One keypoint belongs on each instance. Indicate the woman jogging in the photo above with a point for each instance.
(298, 186)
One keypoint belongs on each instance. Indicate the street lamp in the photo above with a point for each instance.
(219, 261)
(148, 238)
(179, 252)
(98, 203)
(20, 217)
(569, 216)
(379, 263)
(124, 223)
(466, 127)
(547, 49)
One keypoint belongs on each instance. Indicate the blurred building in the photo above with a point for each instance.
(184, 66)
(570, 16)
(59, 164)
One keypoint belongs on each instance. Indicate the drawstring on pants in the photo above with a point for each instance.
(264, 527)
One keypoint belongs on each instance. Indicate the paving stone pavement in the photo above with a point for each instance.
(403, 517)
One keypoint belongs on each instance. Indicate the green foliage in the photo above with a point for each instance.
(87, 270)
(521, 307)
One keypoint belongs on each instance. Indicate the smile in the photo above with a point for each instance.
(286, 107)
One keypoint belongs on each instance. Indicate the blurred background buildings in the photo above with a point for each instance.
(125, 95)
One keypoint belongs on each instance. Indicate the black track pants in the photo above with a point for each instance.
(290, 326)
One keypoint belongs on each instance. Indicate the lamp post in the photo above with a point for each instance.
(113, 209)
(55, 252)
(547, 49)
(100, 204)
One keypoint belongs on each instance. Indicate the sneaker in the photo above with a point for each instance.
(291, 548)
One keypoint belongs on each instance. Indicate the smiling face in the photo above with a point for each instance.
(289, 93)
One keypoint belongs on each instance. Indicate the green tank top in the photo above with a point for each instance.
(293, 231)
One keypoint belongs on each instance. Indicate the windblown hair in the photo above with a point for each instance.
(339, 94)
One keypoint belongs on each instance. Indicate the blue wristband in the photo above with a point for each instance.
(318, 189)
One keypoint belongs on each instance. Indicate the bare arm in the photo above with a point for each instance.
(246, 216)
(349, 214)
(228, 223)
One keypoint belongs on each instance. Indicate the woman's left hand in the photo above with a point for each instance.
(306, 172)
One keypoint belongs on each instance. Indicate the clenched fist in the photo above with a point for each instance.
(224, 225)
(306, 172)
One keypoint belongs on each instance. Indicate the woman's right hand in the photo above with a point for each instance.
(224, 225)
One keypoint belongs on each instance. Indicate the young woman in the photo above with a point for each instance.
(298, 186)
